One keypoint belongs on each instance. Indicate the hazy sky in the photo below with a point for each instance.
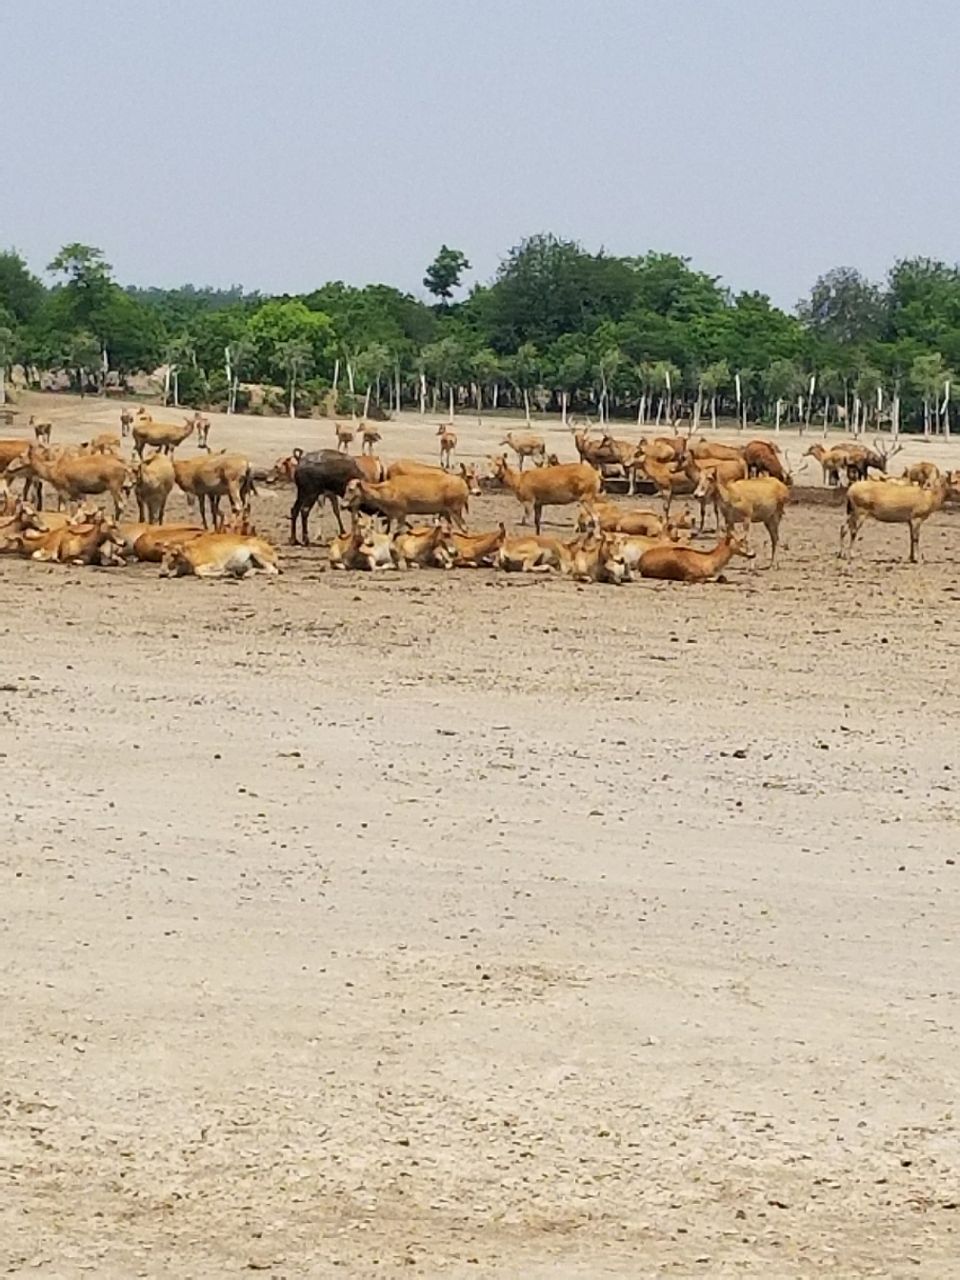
(281, 143)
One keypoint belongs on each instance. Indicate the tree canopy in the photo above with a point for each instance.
(601, 332)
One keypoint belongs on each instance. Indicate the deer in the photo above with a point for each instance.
(345, 434)
(525, 445)
(683, 564)
(164, 436)
(833, 462)
(369, 437)
(756, 500)
(547, 486)
(891, 504)
(42, 427)
(448, 445)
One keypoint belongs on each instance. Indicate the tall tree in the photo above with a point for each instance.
(445, 273)
(8, 353)
(21, 293)
(294, 356)
(714, 379)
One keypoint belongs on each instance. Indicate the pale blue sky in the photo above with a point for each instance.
(282, 144)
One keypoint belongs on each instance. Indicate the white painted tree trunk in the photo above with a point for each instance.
(778, 411)
(231, 392)
(396, 376)
(293, 394)
(659, 412)
(895, 413)
(176, 388)
(945, 412)
(642, 411)
(496, 394)
(423, 395)
(526, 405)
(826, 415)
(698, 407)
(926, 417)
(478, 399)
(564, 399)
(713, 412)
(451, 398)
(350, 385)
(366, 402)
(166, 384)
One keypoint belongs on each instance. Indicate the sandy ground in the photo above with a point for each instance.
(462, 925)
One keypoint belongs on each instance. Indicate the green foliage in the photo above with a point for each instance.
(21, 293)
(556, 320)
(445, 272)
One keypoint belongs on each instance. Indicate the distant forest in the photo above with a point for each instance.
(559, 329)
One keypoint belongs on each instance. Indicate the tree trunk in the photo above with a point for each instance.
(396, 372)
(846, 405)
(895, 412)
(564, 397)
(176, 388)
(353, 403)
(3, 384)
(697, 408)
(713, 412)
(478, 393)
(526, 405)
(434, 394)
(945, 412)
(642, 410)
(777, 412)
(231, 393)
(453, 410)
(166, 385)
(366, 401)
(496, 394)
(826, 415)
(293, 395)
(423, 396)
(376, 394)
(659, 412)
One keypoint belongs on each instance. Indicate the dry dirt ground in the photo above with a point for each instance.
(462, 925)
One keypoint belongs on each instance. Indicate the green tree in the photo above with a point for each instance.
(714, 379)
(21, 293)
(82, 355)
(782, 382)
(445, 272)
(664, 378)
(8, 353)
(445, 362)
(928, 375)
(238, 355)
(178, 353)
(295, 357)
(568, 366)
(486, 369)
(843, 308)
(285, 320)
(523, 370)
(371, 363)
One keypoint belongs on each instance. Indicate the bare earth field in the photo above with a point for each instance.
(472, 925)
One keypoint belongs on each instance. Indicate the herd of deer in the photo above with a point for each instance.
(744, 485)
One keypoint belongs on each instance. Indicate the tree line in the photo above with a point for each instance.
(558, 329)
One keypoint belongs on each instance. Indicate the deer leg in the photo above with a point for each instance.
(773, 528)
(914, 542)
(537, 512)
